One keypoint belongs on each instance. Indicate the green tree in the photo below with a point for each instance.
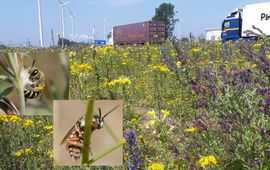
(165, 12)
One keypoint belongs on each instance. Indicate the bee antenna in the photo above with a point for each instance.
(109, 112)
(33, 63)
(99, 112)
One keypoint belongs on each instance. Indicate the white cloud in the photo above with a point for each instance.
(81, 37)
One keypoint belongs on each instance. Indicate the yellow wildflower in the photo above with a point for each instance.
(3, 118)
(151, 113)
(206, 160)
(178, 64)
(195, 50)
(150, 123)
(50, 154)
(19, 152)
(14, 118)
(155, 166)
(258, 45)
(48, 127)
(133, 121)
(121, 81)
(76, 68)
(160, 68)
(27, 151)
(192, 130)
(165, 114)
(72, 53)
(28, 122)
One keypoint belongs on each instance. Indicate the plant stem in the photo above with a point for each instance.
(112, 148)
(87, 131)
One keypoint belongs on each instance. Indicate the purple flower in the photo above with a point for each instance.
(132, 150)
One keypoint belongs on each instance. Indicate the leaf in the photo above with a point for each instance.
(6, 79)
(7, 91)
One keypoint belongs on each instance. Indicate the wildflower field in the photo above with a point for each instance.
(188, 105)
(26, 142)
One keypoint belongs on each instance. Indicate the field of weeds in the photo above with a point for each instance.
(188, 105)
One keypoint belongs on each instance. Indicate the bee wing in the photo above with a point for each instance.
(73, 128)
(68, 134)
(8, 107)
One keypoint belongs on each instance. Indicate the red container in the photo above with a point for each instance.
(139, 33)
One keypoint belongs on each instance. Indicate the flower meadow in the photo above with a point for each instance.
(26, 142)
(188, 105)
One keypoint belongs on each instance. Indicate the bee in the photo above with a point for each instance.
(34, 82)
(74, 138)
(8, 107)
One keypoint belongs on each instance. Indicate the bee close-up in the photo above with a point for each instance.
(74, 138)
(34, 82)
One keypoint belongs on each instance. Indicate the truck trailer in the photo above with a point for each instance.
(139, 33)
(242, 22)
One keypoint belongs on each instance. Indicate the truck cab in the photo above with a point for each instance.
(231, 26)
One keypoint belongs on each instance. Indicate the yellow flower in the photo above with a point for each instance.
(195, 50)
(192, 130)
(150, 123)
(28, 122)
(48, 127)
(206, 160)
(160, 68)
(133, 121)
(27, 151)
(76, 68)
(258, 45)
(4, 118)
(19, 152)
(14, 118)
(151, 113)
(178, 64)
(121, 81)
(50, 154)
(165, 112)
(155, 166)
(72, 53)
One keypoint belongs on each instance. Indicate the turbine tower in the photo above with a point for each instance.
(63, 19)
(40, 25)
(72, 24)
(104, 29)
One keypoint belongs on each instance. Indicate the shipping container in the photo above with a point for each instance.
(139, 33)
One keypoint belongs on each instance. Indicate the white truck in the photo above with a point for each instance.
(242, 22)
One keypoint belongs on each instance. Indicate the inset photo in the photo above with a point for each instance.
(104, 133)
(29, 82)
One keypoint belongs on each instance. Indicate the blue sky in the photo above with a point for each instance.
(19, 19)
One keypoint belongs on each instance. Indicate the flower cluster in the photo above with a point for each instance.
(132, 151)
(121, 81)
(206, 161)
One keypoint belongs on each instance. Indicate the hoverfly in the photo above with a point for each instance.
(34, 82)
(8, 107)
(74, 138)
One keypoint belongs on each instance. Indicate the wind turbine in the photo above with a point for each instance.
(104, 28)
(63, 20)
(40, 25)
(72, 24)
